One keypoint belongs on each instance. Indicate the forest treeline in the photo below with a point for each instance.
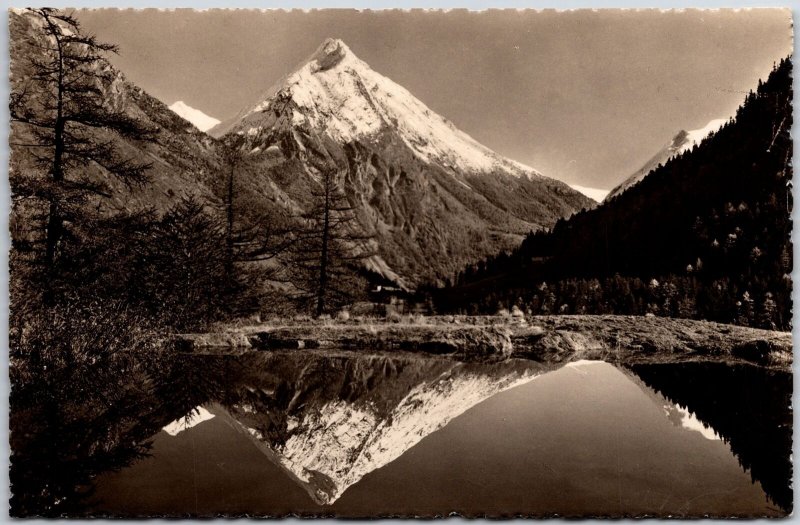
(705, 236)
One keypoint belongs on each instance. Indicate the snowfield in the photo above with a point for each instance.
(596, 194)
(198, 119)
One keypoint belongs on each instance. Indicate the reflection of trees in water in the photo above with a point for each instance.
(275, 387)
(69, 424)
(72, 425)
(749, 407)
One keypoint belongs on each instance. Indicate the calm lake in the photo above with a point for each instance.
(345, 434)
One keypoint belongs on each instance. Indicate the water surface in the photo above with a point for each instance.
(321, 433)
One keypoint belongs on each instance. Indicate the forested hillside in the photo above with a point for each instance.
(707, 235)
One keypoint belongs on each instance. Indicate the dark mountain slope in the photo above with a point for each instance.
(183, 159)
(712, 227)
(680, 143)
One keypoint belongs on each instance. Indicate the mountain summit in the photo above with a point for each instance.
(337, 93)
(432, 197)
(682, 142)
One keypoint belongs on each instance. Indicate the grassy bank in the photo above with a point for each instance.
(622, 339)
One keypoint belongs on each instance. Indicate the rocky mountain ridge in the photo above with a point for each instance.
(431, 196)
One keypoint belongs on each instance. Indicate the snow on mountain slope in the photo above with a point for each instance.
(696, 136)
(681, 143)
(196, 416)
(339, 94)
(199, 119)
(333, 446)
(596, 194)
(431, 197)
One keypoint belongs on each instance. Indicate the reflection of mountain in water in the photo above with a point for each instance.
(748, 407)
(678, 415)
(330, 420)
(326, 418)
(192, 419)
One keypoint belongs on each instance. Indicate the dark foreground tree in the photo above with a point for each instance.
(326, 249)
(180, 274)
(68, 126)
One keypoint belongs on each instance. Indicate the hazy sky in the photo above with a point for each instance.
(583, 96)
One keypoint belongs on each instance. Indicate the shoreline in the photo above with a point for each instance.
(549, 339)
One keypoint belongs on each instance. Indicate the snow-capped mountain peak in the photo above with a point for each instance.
(331, 53)
(335, 93)
(198, 119)
(682, 142)
(423, 187)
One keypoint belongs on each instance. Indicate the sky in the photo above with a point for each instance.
(584, 96)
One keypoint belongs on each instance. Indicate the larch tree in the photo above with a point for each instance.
(63, 118)
(181, 270)
(327, 248)
(255, 238)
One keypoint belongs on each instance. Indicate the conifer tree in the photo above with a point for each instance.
(326, 248)
(62, 117)
(180, 274)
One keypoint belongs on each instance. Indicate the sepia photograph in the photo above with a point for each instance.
(400, 263)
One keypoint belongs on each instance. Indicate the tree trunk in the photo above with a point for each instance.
(229, 232)
(55, 223)
(323, 266)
